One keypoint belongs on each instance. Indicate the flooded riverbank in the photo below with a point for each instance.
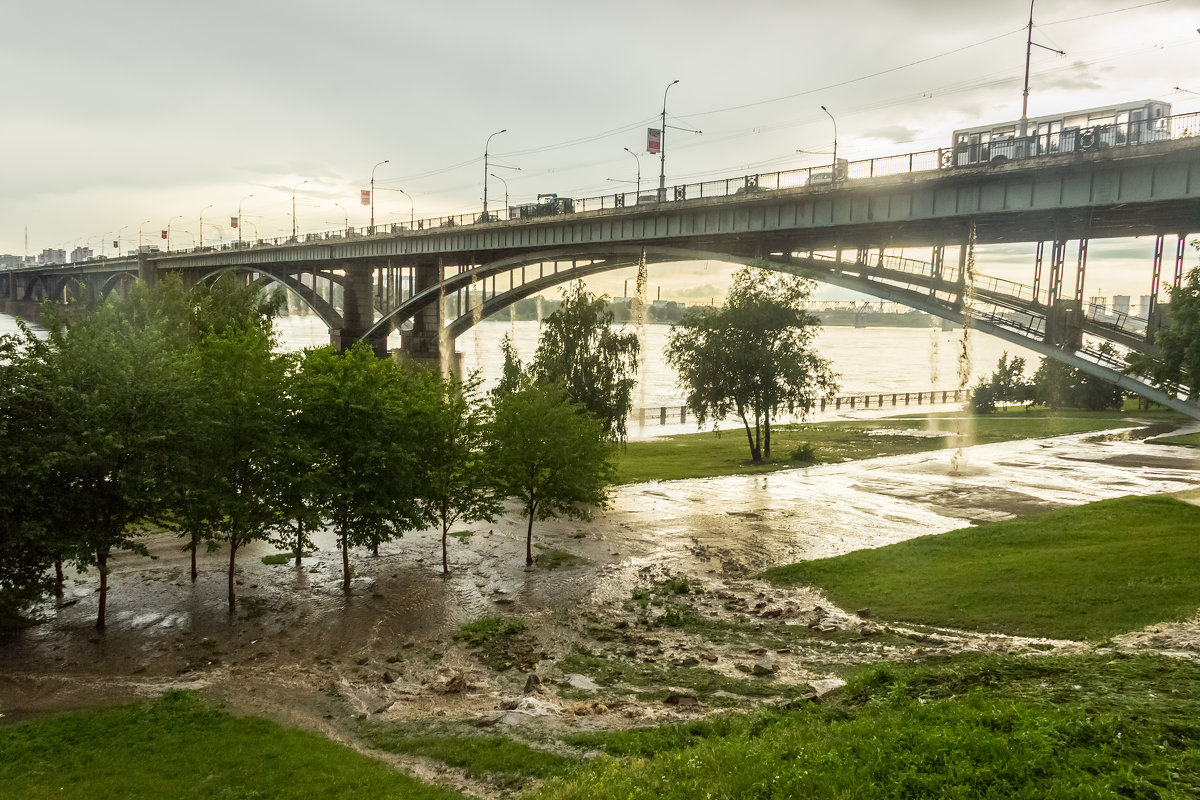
(296, 641)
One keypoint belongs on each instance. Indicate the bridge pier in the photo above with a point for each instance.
(426, 342)
(358, 310)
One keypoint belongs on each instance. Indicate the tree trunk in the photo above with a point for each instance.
(299, 539)
(767, 437)
(445, 532)
(345, 565)
(232, 563)
(102, 565)
(58, 577)
(195, 544)
(529, 542)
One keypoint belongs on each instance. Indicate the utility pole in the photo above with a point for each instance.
(1029, 45)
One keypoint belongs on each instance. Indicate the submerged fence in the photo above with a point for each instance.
(664, 415)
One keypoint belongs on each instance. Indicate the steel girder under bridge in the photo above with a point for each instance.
(1035, 318)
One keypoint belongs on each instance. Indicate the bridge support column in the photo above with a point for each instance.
(146, 271)
(1080, 269)
(1180, 249)
(358, 311)
(424, 343)
(1037, 273)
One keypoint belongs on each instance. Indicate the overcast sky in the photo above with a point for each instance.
(119, 112)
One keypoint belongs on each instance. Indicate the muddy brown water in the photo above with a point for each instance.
(294, 631)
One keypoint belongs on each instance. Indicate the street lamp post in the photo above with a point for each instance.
(144, 222)
(118, 245)
(412, 210)
(206, 208)
(639, 169)
(103, 239)
(385, 161)
(172, 219)
(239, 217)
(294, 188)
(662, 147)
(346, 214)
(833, 175)
(485, 170)
(497, 177)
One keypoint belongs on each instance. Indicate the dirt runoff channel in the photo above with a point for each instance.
(649, 612)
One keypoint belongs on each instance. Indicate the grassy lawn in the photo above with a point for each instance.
(706, 454)
(976, 729)
(500, 760)
(1190, 439)
(180, 747)
(1075, 573)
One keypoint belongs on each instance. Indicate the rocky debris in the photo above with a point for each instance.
(532, 683)
(863, 613)
(682, 701)
(764, 667)
(388, 677)
(690, 661)
(454, 684)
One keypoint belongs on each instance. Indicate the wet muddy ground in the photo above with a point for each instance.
(299, 650)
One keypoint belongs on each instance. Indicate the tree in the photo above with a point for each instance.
(242, 413)
(1006, 385)
(360, 420)
(27, 549)
(1178, 359)
(241, 398)
(597, 365)
(119, 404)
(754, 357)
(458, 480)
(549, 454)
(1057, 385)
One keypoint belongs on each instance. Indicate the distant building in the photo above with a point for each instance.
(1144, 306)
(81, 254)
(51, 256)
(1120, 304)
(11, 262)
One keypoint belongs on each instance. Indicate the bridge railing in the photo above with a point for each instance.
(818, 178)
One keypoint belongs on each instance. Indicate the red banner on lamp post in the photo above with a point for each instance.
(365, 196)
(653, 141)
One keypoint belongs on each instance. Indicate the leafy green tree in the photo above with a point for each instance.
(360, 418)
(754, 357)
(235, 319)
(120, 407)
(1006, 385)
(580, 349)
(550, 454)
(1057, 385)
(458, 479)
(26, 547)
(1178, 359)
(240, 382)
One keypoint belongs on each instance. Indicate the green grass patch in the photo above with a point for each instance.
(699, 455)
(501, 643)
(488, 629)
(656, 680)
(501, 761)
(986, 728)
(462, 536)
(553, 558)
(281, 558)
(1088, 572)
(1188, 439)
(180, 747)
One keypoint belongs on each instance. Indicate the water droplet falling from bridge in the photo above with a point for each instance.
(963, 424)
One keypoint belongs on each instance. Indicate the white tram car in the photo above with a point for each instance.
(1089, 129)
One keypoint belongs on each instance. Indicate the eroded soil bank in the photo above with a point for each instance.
(647, 613)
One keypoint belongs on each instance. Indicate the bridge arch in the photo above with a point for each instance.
(293, 283)
(1020, 328)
